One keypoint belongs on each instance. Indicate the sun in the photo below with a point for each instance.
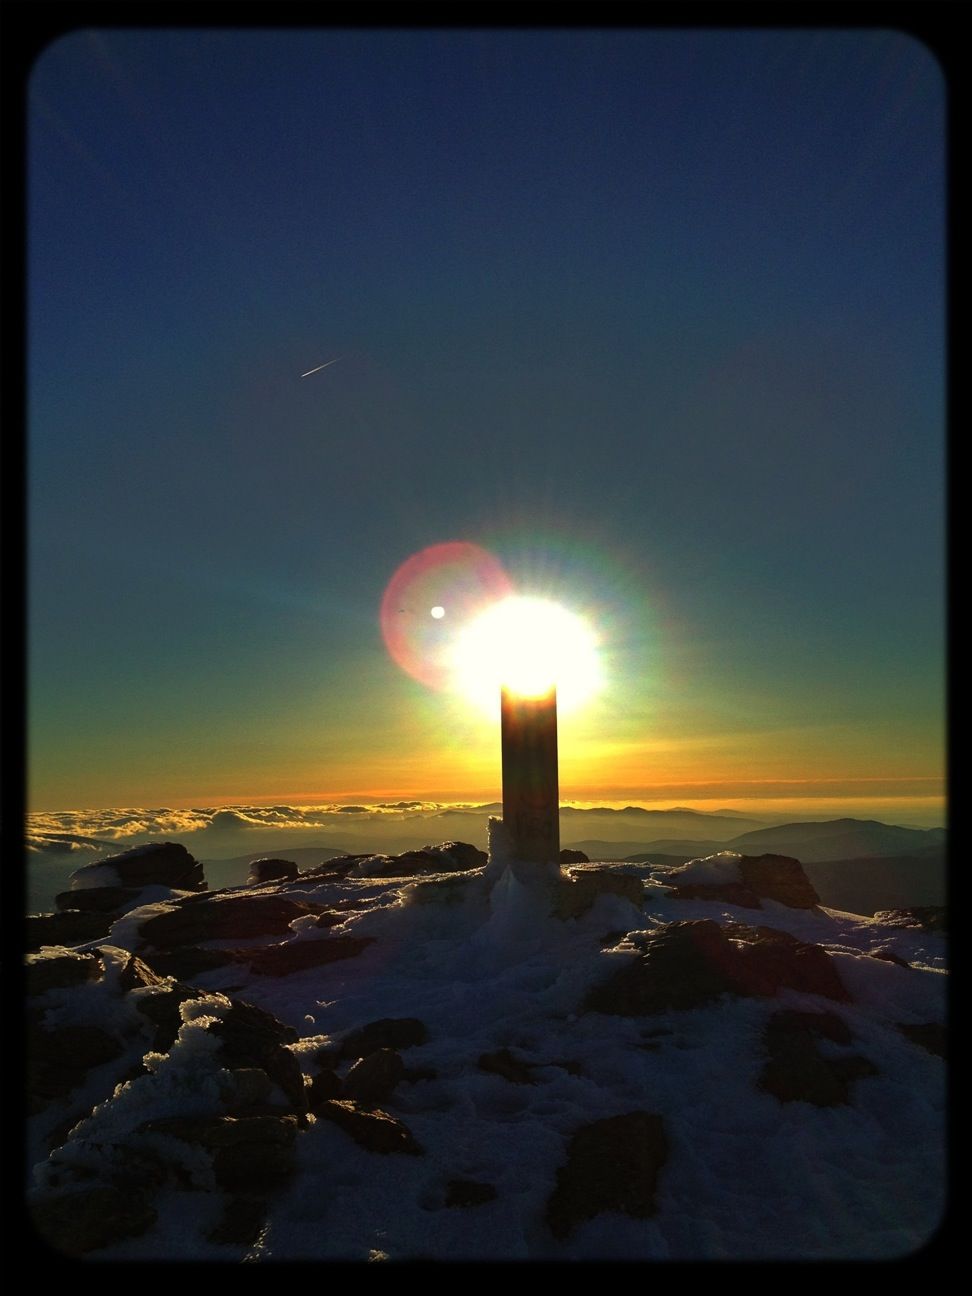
(528, 645)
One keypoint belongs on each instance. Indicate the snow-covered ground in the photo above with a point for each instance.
(747, 1176)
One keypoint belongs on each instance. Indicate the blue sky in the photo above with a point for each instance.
(657, 317)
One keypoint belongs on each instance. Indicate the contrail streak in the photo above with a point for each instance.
(320, 367)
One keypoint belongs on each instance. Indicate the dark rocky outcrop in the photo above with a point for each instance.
(271, 870)
(189, 961)
(251, 1037)
(778, 877)
(929, 918)
(568, 856)
(503, 1063)
(612, 1165)
(221, 917)
(241, 1221)
(577, 893)
(249, 1153)
(89, 1218)
(164, 864)
(448, 857)
(325, 1085)
(61, 971)
(163, 1011)
(733, 893)
(687, 964)
(372, 1079)
(796, 1070)
(69, 928)
(889, 956)
(931, 1036)
(107, 900)
(372, 1129)
(297, 956)
(388, 1032)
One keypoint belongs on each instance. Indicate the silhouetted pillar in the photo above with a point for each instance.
(531, 800)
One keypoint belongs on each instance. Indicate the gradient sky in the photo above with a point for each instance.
(657, 317)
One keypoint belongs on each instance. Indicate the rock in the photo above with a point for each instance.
(612, 1165)
(447, 858)
(442, 890)
(69, 928)
(59, 1060)
(373, 1129)
(60, 971)
(568, 856)
(163, 1011)
(778, 877)
(271, 870)
(389, 1032)
(188, 961)
(135, 973)
(88, 1219)
(797, 1072)
(163, 864)
(463, 855)
(251, 1037)
(687, 964)
(249, 1153)
(299, 955)
(100, 900)
(929, 918)
(221, 917)
(728, 892)
(889, 956)
(576, 894)
(467, 1192)
(373, 1078)
(325, 1085)
(503, 1063)
(930, 1036)
(247, 1087)
(773, 959)
(242, 1220)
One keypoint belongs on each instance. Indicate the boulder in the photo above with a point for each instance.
(568, 856)
(324, 1085)
(778, 877)
(110, 900)
(70, 928)
(687, 964)
(163, 864)
(135, 973)
(60, 971)
(612, 1165)
(299, 955)
(577, 893)
(249, 1153)
(467, 1192)
(251, 1037)
(372, 1129)
(373, 1078)
(247, 1087)
(271, 870)
(447, 858)
(930, 1036)
(797, 1072)
(87, 1219)
(222, 917)
(388, 1032)
(163, 1011)
(733, 893)
(929, 918)
(889, 956)
(242, 1220)
(188, 961)
(503, 1063)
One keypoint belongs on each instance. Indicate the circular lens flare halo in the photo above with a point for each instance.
(529, 645)
(432, 596)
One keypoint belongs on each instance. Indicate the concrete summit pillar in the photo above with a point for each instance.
(531, 793)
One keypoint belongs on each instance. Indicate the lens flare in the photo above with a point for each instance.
(430, 598)
(528, 645)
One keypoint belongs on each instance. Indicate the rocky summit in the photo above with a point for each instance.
(428, 1057)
